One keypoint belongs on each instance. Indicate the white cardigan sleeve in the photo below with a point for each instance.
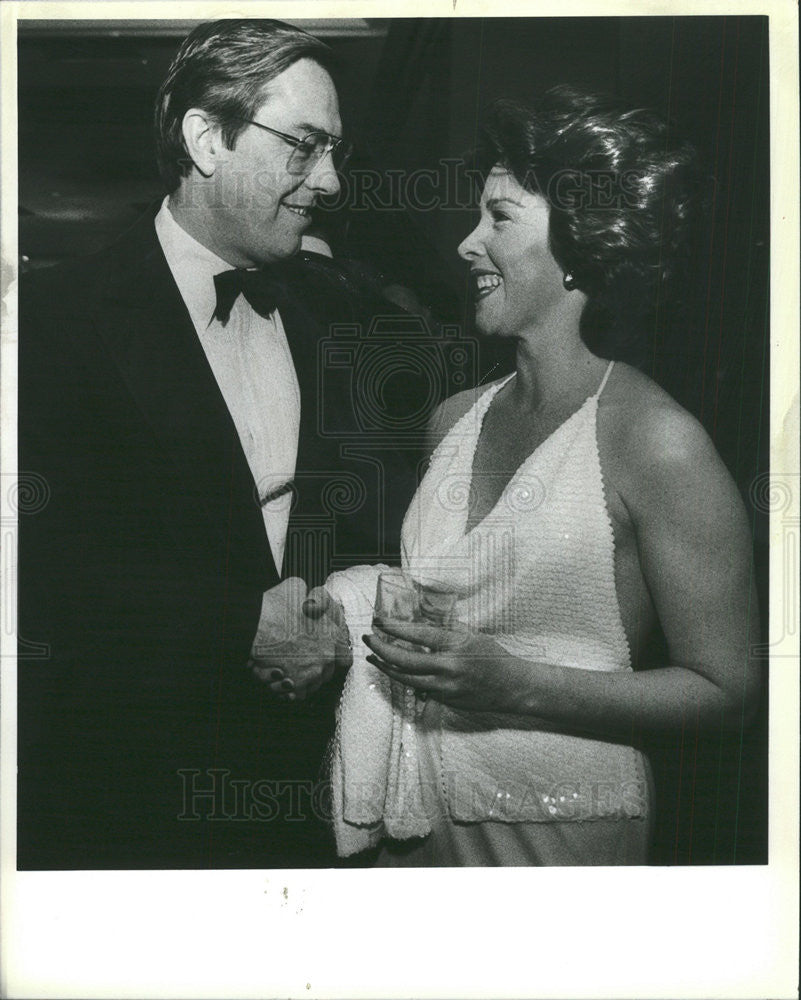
(374, 762)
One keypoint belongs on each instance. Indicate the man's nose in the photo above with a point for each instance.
(323, 178)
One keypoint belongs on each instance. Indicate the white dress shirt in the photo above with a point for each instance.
(251, 361)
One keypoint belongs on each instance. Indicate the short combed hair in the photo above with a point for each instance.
(225, 67)
(625, 199)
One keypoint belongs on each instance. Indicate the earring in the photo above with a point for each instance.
(569, 281)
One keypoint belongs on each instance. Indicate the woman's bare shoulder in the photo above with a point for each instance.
(453, 409)
(649, 442)
(634, 408)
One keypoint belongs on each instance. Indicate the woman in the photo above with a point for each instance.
(576, 510)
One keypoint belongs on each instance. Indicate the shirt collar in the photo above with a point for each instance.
(193, 266)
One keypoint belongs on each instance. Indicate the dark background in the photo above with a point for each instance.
(412, 94)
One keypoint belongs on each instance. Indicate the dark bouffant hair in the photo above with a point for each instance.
(224, 67)
(625, 200)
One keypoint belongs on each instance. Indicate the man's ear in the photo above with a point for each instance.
(203, 140)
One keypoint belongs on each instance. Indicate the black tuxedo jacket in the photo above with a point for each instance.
(144, 741)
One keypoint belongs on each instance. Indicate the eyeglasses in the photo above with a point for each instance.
(310, 149)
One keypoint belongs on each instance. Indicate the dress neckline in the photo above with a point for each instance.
(482, 405)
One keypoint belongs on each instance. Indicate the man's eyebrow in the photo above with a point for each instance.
(307, 127)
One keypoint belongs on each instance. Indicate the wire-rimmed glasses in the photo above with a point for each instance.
(310, 149)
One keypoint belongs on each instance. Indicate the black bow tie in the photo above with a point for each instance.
(261, 289)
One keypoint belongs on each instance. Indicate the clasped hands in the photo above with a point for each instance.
(302, 639)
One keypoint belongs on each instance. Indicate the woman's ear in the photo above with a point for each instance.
(203, 140)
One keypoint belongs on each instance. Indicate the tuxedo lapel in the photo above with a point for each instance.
(303, 334)
(310, 302)
(150, 335)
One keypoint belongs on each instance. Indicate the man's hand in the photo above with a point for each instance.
(300, 641)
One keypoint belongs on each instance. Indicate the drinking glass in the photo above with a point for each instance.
(400, 598)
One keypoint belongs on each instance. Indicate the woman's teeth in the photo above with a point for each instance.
(486, 284)
(302, 212)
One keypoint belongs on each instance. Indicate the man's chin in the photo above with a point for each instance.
(275, 254)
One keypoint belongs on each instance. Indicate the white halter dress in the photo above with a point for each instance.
(538, 574)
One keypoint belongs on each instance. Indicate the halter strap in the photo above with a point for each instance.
(607, 373)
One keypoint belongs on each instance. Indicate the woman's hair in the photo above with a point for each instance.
(225, 67)
(625, 199)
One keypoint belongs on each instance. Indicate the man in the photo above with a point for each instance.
(169, 398)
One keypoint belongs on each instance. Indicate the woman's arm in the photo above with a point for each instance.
(695, 552)
(695, 555)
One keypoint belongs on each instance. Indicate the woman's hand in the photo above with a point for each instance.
(461, 668)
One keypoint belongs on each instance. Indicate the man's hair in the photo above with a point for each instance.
(225, 67)
(625, 198)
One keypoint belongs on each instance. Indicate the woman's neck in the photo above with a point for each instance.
(554, 370)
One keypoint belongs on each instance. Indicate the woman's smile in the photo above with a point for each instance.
(485, 283)
(510, 250)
